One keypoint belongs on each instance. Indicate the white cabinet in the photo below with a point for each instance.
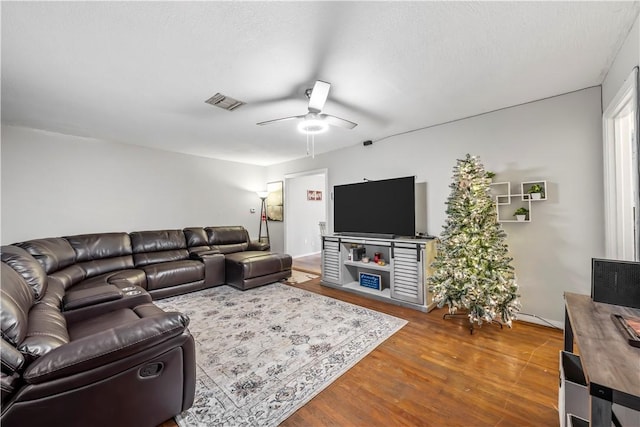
(331, 262)
(408, 278)
(401, 279)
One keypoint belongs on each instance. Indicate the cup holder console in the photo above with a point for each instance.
(132, 290)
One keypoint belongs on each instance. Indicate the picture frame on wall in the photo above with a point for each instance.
(275, 201)
(314, 195)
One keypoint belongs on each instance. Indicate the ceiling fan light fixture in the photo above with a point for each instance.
(313, 126)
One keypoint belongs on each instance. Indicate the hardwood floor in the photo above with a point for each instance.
(310, 263)
(434, 373)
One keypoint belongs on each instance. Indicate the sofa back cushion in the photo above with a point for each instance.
(152, 247)
(33, 328)
(16, 299)
(196, 239)
(28, 267)
(102, 253)
(53, 254)
(228, 239)
(47, 330)
(67, 277)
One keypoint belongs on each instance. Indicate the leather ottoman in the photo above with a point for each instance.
(249, 269)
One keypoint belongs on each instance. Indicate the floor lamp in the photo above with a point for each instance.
(263, 217)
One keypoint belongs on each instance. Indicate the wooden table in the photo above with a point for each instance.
(611, 366)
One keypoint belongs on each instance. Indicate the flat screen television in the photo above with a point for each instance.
(386, 207)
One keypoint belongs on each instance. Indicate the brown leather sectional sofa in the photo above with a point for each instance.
(82, 342)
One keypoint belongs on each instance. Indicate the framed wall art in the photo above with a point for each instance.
(314, 195)
(275, 201)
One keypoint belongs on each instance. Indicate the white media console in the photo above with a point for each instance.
(402, 278)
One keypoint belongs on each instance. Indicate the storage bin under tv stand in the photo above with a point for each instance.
(403, 276)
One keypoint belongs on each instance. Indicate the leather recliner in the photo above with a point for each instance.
(99, 363)
(83, 345)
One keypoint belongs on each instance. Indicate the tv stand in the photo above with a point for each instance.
(370, 235)
(400, 280)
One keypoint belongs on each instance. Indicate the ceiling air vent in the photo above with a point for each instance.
(225, 102)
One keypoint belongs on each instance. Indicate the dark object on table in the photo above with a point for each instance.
(630, 328)
(615, 282)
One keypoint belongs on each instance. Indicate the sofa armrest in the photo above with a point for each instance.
(79, 298)
(199, 253)
(256, 245)
(214, 268)
(105, 347)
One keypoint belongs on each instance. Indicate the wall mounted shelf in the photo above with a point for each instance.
(507, 202)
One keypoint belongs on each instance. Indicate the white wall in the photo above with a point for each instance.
(306, 238)
(557, 139)
(627, 57)
(55, 185)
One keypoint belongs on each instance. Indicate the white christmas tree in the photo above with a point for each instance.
(472, 268)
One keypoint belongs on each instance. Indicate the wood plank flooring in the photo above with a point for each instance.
(433, 372)
(309, 263)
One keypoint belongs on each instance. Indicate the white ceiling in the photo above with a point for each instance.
(139, 72)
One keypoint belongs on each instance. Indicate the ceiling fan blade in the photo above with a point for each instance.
(319, 96)
(268, 122)
(337, 121)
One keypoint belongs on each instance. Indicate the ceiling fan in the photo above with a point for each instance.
(315, 121)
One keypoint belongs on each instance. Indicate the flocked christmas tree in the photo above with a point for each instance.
(472, 268)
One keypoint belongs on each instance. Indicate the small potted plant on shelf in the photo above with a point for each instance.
(536, 192)
(521, 214)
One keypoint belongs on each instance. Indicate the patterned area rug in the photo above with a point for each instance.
(263, 353)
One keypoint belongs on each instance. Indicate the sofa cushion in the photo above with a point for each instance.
(88, 297)
(102, 253)
(54, 295)
(127, 335)
(251, 264)
(228, 239)
(94, 268)
(53, 253)
(68, 277)
(112, 319)
(157, 240)
(28, 267)
(46, 331)
(150, 247)
(196, 237)
(156, 257)
(121, 279)
(173, 273)
(90, 247)
(197, 240)
(15, 303)
(109, 320)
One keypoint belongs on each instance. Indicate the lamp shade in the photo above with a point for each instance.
(262, 194)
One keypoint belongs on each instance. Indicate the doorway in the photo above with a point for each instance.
(621, 173)
(305, 210)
